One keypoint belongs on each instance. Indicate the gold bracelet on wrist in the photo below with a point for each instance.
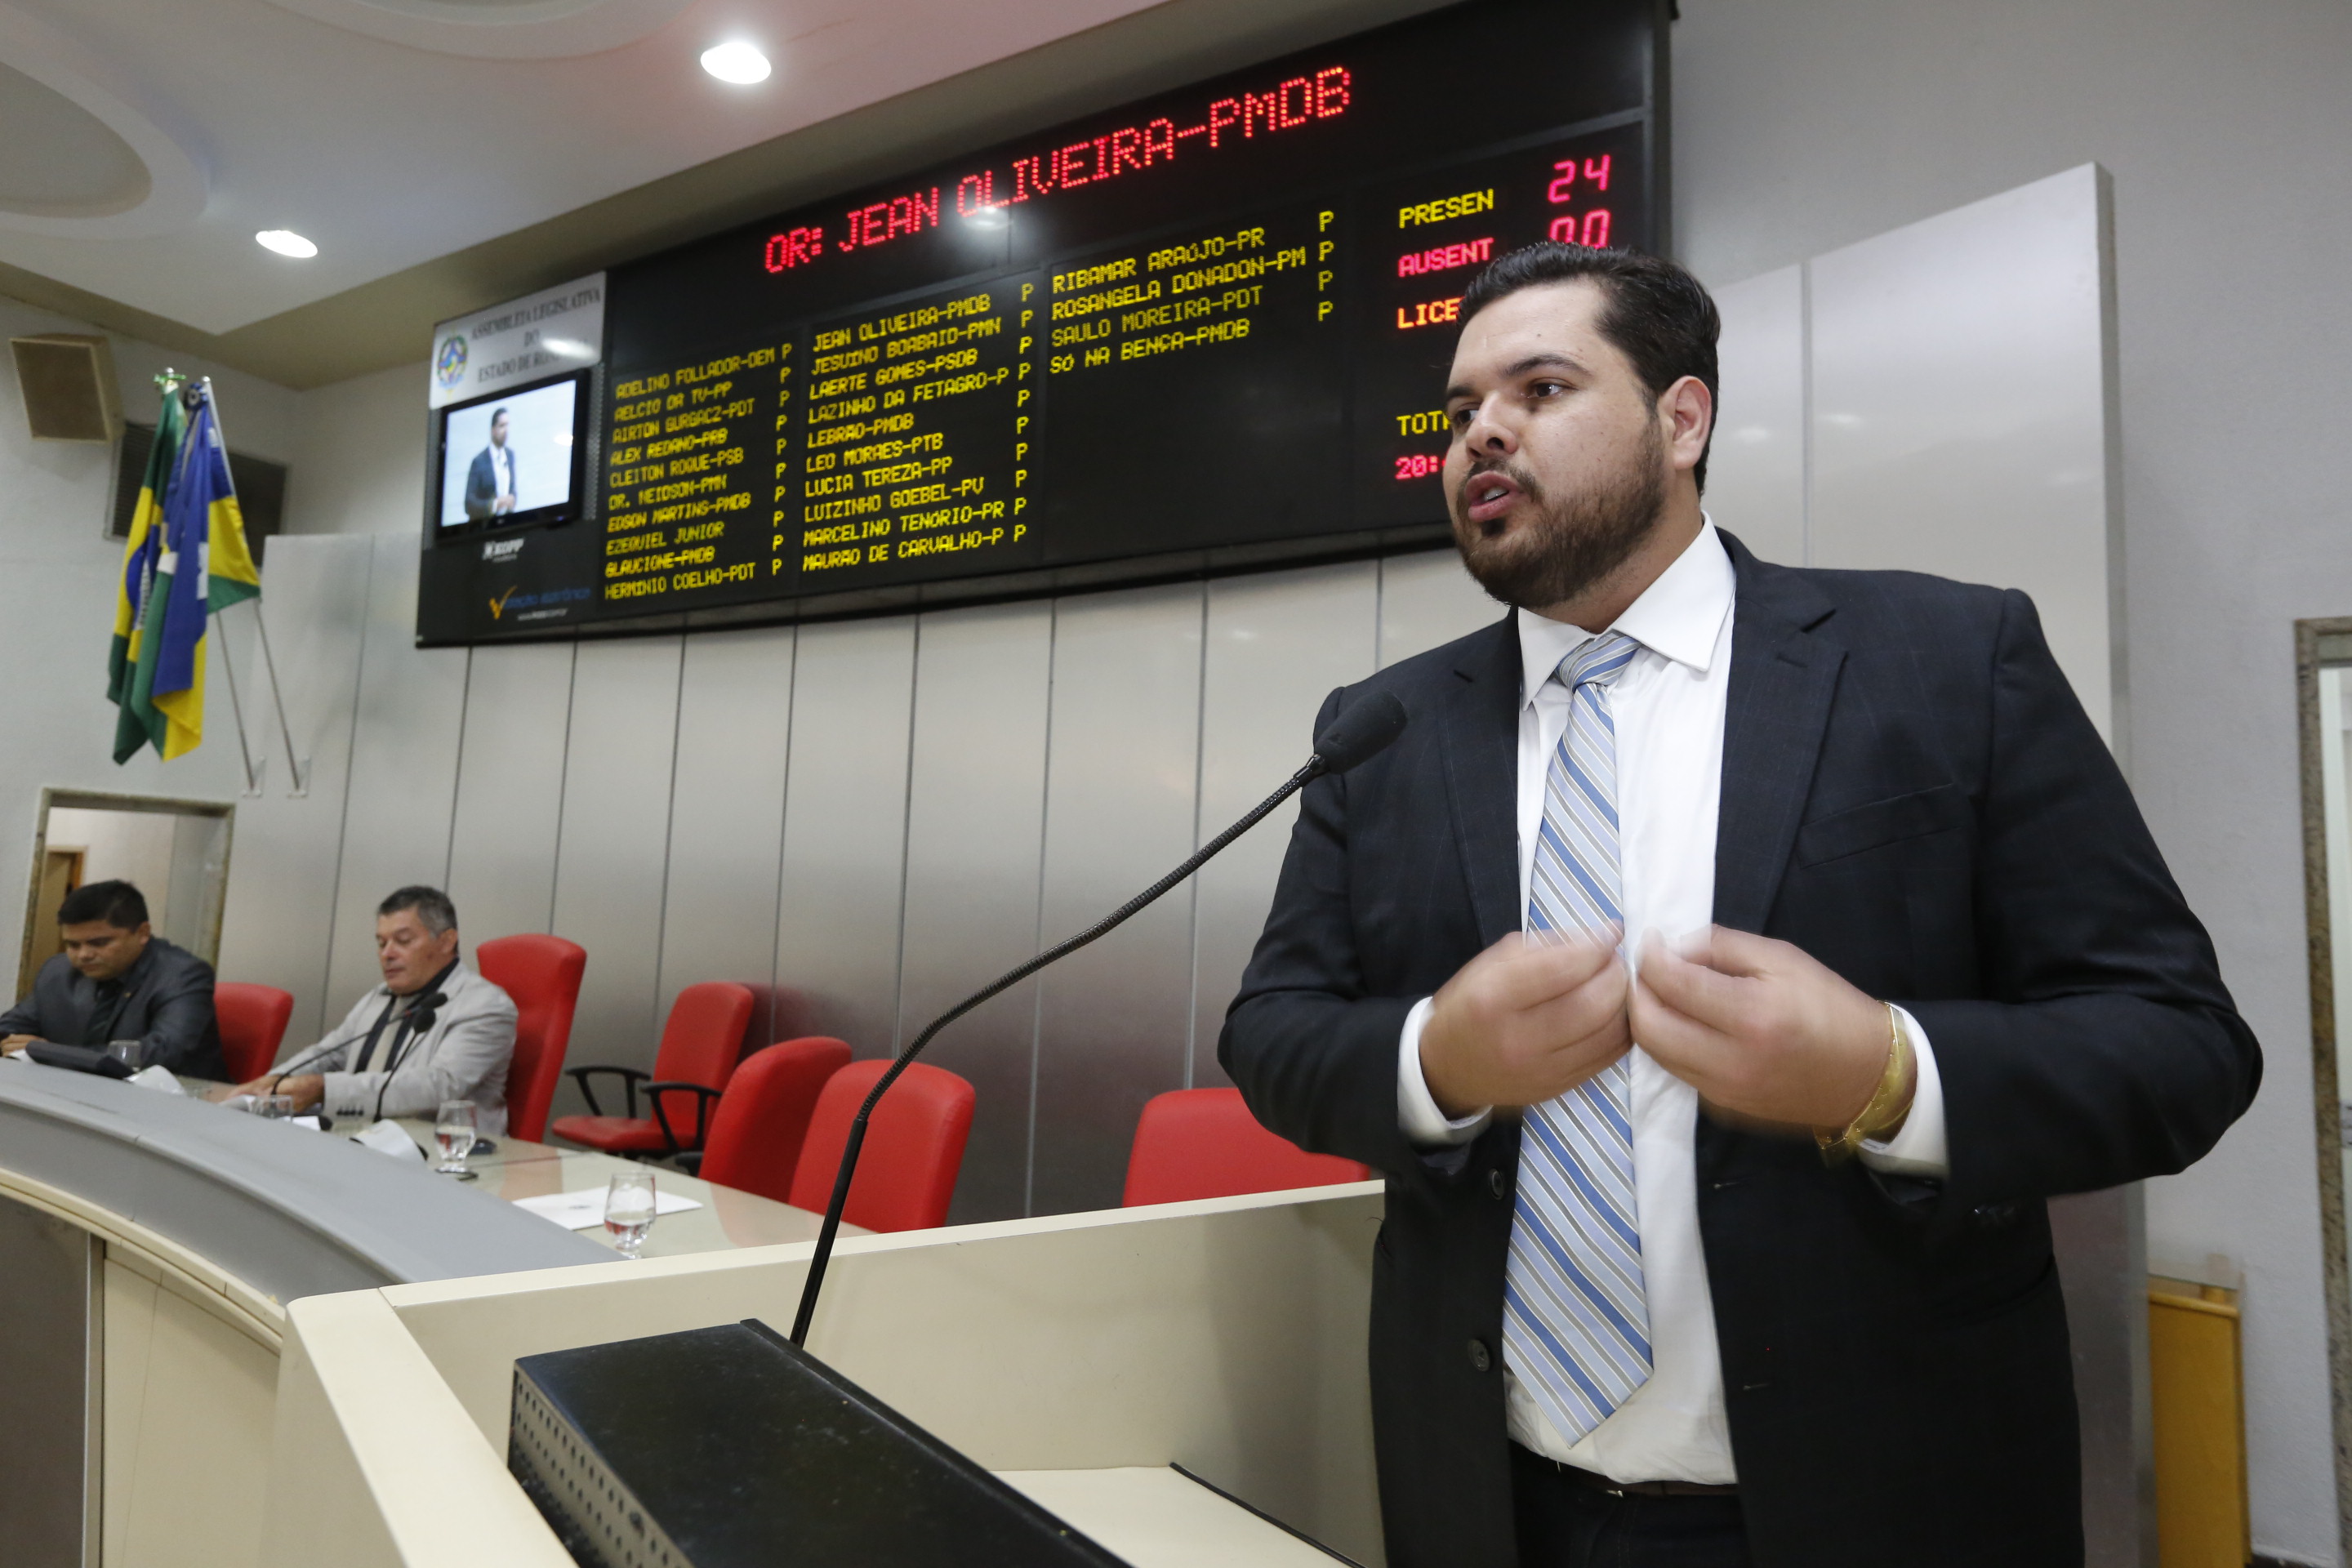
(1883, 1112)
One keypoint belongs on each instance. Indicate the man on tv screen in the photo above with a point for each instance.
(490, 482)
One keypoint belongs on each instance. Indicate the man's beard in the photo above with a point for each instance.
(1574, 542)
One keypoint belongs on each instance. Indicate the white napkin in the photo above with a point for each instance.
(584, 1209)
(391, 1137)
(157, 1077)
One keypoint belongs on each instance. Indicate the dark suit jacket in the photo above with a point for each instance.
(482, 484)
(166, 1001)
(1911, 794)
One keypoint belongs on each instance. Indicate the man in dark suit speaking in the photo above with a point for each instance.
(490, 482)
(1724, 967)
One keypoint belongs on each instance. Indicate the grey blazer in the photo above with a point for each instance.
(463, 1056)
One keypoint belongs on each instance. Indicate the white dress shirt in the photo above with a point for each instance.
(1668, 707)
(501, 471)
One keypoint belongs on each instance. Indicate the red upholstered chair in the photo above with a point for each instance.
(700, 1046)
(1204, 1143)
(542, 974)
(763, 1113)
(914, 1146)
(252, 1020)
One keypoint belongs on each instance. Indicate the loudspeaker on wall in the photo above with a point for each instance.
(68, 379)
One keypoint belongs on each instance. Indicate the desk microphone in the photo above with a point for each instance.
(1362, 730)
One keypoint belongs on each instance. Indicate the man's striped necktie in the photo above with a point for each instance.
(1576, 1319)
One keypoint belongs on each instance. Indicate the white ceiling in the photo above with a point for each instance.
(142, 142)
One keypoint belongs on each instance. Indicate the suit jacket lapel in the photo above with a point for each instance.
(1482, 769)
(1784, 672)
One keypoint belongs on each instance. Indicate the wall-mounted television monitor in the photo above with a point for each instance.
(514, 458)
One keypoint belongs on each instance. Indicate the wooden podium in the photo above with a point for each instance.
(1079, 1355)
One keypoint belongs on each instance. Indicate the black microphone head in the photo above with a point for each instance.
(1363, 731)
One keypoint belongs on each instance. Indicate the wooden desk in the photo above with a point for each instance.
(727, 1219)
(522, 1169)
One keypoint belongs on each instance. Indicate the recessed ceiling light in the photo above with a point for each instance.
(286, 242)
(736, 61)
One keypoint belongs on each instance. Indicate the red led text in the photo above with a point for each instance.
(1131, 148)
(1444, 257)
(1591, 231)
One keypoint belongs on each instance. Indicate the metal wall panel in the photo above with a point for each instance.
(1426, 599)
(1121, 792)
(510, 790)
(281, 881)
(975, 827)
(1959, 409)
(1277, 644)
(614, 842)
(727, 815)
(1756, 466)
(48, 1401)
(845, 828)
(396, 810)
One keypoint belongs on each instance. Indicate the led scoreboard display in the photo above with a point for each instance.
(1204, 333)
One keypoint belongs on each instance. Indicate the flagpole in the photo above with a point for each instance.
(278, 695)
(295, 771)
(229, 668)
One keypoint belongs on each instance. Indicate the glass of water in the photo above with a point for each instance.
(276, 1107)
(629, 1210)
(453, 1130)
(128, 1052)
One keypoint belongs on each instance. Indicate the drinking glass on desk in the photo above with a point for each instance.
(127, 1052)
(453, 1130)
(276, 1107)
(629, 1210)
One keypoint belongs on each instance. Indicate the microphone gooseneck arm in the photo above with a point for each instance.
(1315, 768)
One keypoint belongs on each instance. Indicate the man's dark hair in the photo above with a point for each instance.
(497, 414)
(117, 903)
(432, 906)
(1658, 316)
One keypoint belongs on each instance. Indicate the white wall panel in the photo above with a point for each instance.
(974, 834)
(281, 880)
(1278, 644)
(614, 842)
(510, 790)
(1959, 409)
(1119, 813)
(58, 574)
(1755, 468)
(396, 810)
(726, 812)
(846, 827)
(1427, 599)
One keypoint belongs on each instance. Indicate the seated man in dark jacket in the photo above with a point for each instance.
(117, 979)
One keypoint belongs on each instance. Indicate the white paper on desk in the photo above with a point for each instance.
(158, 1078)
(390, 1138)
(584, 1209)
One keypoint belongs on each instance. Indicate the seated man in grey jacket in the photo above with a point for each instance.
(433, 1031)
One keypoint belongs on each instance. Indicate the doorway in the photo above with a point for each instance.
(2323, 692)
(175, 852)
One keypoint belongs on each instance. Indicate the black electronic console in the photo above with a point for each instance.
(729, 1446)
(78, 1058)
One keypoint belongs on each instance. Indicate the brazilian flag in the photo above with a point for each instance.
(137, 585)
(187, 564)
